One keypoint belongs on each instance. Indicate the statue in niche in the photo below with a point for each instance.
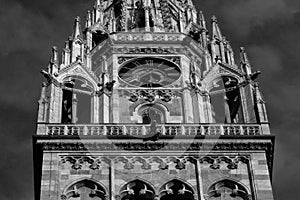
(138, 15)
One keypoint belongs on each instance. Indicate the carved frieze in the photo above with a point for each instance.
(232, 161)
(148, 95)
(77, 162)
(94, 162)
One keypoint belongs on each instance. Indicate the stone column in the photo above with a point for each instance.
(186, 94)
(201, 108)
(112, 180)
(74, 108)
(199, 180)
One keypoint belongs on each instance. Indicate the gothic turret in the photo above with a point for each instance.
(149, 104)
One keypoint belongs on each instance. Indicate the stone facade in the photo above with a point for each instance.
(146, 104)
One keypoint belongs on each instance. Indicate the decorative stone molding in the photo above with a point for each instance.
(163, 161)
(140, 146)
(175, 59)
(232, 161)
(150, 95)
(78, 161)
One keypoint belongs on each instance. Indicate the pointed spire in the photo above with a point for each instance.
(245, 64)
(190, 3)
(201, 20)
(54, 56)
(77, 28)
(98, 3)
(215, 28)
(67, 45)
(66, 54)
(88, 19)
(260, 105)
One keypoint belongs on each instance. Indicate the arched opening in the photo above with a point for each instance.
(137, 190)
(150, 113)
(85, 190)
(227, 190)
(77, 101)
(176, 190)
(226, 101)
(98, 37)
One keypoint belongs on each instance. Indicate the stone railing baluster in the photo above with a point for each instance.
(163, 130)
(135, 129)
(182, 130)
(104, 130)
(222, 130)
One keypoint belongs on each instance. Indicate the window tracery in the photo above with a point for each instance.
(226, 101)
(227, 190)
(176, 190)
(137, 190)
(85, 190)
(76, 100)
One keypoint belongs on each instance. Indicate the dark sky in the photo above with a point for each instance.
(270, 30)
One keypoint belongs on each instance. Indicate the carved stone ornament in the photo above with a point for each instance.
(231, 161)
(174, 59)
(139, 146)
(94, 162)
(150, 95)
(78, 161)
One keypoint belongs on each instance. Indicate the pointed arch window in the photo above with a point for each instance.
(151, 112)
(76, 101)
(225, 100)
(176, 190)
(228, 190)
(85, 190)
(137, 190)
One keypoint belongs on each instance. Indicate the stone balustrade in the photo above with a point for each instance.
(141, 129)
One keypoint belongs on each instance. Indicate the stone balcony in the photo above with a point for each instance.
(141, 129)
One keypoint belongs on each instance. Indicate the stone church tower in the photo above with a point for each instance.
(147, 104)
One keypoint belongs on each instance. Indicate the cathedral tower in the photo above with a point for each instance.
(147, 104)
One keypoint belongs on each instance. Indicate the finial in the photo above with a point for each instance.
(88, 19)
(54, 57)
(216, 29)
(66, 44)
(214, 18)
(201, 20)
(243, 54)
(77, 27)
(245, 64)
(98, 3)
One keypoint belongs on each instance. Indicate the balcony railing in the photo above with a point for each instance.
(140, 129)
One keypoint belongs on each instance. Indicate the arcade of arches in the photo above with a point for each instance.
(140, 190)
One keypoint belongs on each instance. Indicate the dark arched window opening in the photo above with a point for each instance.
(76, 101)
(67, 103)
(228, 190)
(98, 37)
(85, 190)
(137, 190)
(226, 101)
(176, 190)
